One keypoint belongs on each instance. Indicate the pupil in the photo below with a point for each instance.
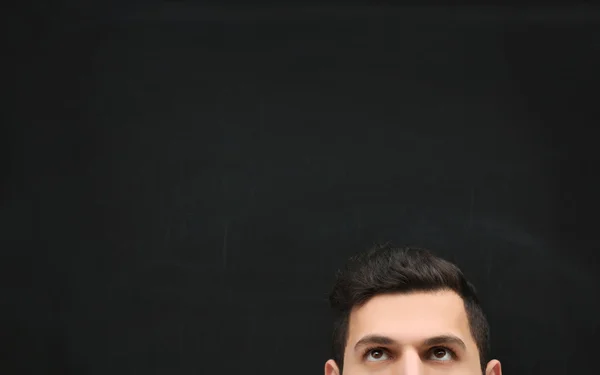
(439, 352)
(376, 353)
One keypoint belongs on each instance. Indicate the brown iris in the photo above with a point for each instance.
(439, 352)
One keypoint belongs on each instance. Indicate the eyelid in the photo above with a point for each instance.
(389, 353)
(452, 352)
(370, 349)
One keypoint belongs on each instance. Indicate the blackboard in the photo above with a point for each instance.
(182, 181)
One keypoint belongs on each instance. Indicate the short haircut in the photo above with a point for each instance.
(385, 269)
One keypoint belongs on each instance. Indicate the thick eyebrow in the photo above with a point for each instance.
(432, 341)
(445, 339)
(374, 340)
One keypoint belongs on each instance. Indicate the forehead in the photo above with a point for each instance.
(411, 317)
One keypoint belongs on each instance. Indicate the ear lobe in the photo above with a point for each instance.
(331, 368)
(493, 368)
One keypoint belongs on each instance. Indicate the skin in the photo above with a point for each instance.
(424, 333)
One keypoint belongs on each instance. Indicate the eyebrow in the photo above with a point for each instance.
(445, 339)
(432, 341)
(374, 339)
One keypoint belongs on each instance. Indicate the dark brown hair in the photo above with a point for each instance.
(386, 269)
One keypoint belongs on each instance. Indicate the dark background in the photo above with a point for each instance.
(181, 180)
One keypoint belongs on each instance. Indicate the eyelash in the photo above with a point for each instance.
(369, 350)
(386, 351)
(452, 352)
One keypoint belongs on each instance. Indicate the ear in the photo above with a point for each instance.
(331, 368)
(493, 368)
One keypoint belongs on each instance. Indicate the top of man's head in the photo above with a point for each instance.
(385, 269)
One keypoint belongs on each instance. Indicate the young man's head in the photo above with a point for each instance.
(404, 311)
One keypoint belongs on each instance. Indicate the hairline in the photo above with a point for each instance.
(408, 293)
(346, 315)
(437, 274)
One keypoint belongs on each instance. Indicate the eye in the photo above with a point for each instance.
(375, 355)
(441, 354)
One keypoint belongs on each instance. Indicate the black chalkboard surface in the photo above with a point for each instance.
(182, 181)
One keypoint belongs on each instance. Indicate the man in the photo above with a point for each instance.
(404, 311)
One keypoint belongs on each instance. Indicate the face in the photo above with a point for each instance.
(411, 334)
